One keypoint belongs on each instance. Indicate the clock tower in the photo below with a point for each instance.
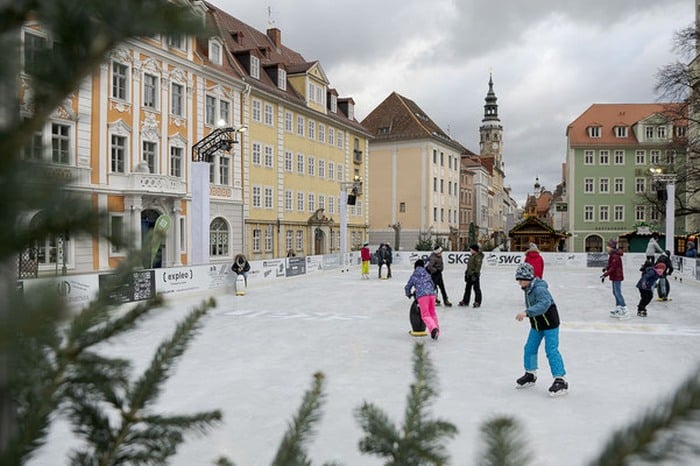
(491, 131)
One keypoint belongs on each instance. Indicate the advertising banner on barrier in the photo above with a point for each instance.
(332, 261)
(138, 286)
(77, 290)
(295, 266)
(597, 259)
(314, 264)
(271, 268)
(182, 279)
(501, 259)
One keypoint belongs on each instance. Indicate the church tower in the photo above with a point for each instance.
(491, 131)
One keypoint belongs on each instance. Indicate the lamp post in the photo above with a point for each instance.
(669, 179)
(355, 187)
(222, 138)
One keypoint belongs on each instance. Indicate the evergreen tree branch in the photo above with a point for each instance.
(503, 443)
(640, 437)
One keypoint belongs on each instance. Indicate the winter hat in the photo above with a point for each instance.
(533, 247)
(366, 243)
(612, 243)
(525, 272)
(419, 263)
(438, 250)
(660, 267)
(474, 247)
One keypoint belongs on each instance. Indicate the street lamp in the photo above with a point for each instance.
(669, 179)
(222, 138)
(355, 187)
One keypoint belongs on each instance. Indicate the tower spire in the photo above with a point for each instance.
(491, 107)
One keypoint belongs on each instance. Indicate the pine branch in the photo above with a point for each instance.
(292, 450)
(504, 443)
(640, 438)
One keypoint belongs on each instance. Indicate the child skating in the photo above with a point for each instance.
(544, 323)
(424, 287)
(646, 287)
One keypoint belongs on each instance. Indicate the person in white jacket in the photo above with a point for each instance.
(652, 248)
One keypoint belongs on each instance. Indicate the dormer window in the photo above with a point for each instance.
(282, 79)
(176, 42)
(594, 131)
(254, 67)
(621, 131)
(351, 111)
(334, 103)
(215, 52)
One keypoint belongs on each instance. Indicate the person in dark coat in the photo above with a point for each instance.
(646, 286)
(472, 276)
(435, 267)
(664, 287)
(614, 272)
(241, 266)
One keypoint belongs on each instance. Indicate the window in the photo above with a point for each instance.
(639, 213)
(256, 239)
(215, 52)
(177, 99)
(661, 132)
(268, 115)
(588, 157)
(34, 150)
(339, 171)
(60, 143)
(256, 154)
(649, 132)
(654, 215)
(312, 202)
(588, 213)
(321, 132)
(288, 156)
(435, 184)
(150, 91)
(300, 240)
(269, 157)
(640, 157)
(218, 238)
(442, 186)
(594, 131)
(289, 240)
(224, 170)
(34, 46)
(341, 140)
(210, 110)
(288, 201)
(282, 79)
(402, 207)
(604, 213)
(435, 212)
(322, 201)
(621, 131)
(681, 131)
(619, 185)
(670, 157)
(604, 185)
(604, 157)
(358, 208)
(257, 196)
(48, 250)
(619, 213)
(300, 164)
(312, 129)
(434, 156)
(225, 112)
(118, 154)
(176, 161)
(257, 110)
(300, 201)
(588, 185)
(321, 168)
(619, 157)
(116, 231)
(254, 67)
(331, 204)
(120, 80)
(288, 122)
(311, 165)
(149, 154)
(442, 159)
(176, 42)
(268, 198)
(640, 185)
(655, 157)
(331, 136)
(300, 125)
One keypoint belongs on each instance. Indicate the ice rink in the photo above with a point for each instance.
(255, 356)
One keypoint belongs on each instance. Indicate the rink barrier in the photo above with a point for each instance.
(79, 290)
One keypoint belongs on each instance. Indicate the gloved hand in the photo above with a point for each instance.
(602, 278)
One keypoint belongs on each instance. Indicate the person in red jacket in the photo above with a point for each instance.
(615, 273)
(365, 256)
(533, 257)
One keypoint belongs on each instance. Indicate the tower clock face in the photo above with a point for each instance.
(494, 145)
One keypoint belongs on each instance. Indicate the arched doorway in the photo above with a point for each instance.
(151, 259)
(319, 241)
(593, 243)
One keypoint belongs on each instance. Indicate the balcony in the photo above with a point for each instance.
(149, 183)
(357, 157)
(76, 176)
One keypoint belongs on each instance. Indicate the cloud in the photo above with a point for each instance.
(550, 59)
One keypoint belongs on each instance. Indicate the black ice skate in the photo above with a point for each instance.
(642, 313)
(527, 380)
(559, 387)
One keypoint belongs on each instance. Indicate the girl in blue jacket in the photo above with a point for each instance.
(424, 289)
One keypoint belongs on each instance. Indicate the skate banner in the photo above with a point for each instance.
(272, 268)
(314, 264)
(295, 266)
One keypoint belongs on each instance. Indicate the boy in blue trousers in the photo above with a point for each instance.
(544, 323)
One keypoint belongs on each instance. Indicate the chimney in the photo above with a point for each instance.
(276, 36)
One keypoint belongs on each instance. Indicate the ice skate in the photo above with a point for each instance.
(622, 314)
(642, 313)
(559, 388)
(527, 380)
(477, 305)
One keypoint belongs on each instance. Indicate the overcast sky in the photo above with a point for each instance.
(550, 59)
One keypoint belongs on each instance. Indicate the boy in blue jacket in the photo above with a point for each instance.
(424, 288)
(544, 323)
(646, 287)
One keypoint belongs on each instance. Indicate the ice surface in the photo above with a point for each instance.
(256, 354)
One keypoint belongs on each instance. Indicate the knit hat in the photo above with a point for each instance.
(438, 250)
(533, 247)
(366, 243)
(474, 247)
(525, 271)
(660, 267)
(612, 243)
(419, 263)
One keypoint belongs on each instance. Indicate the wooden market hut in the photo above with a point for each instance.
(534, 230)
